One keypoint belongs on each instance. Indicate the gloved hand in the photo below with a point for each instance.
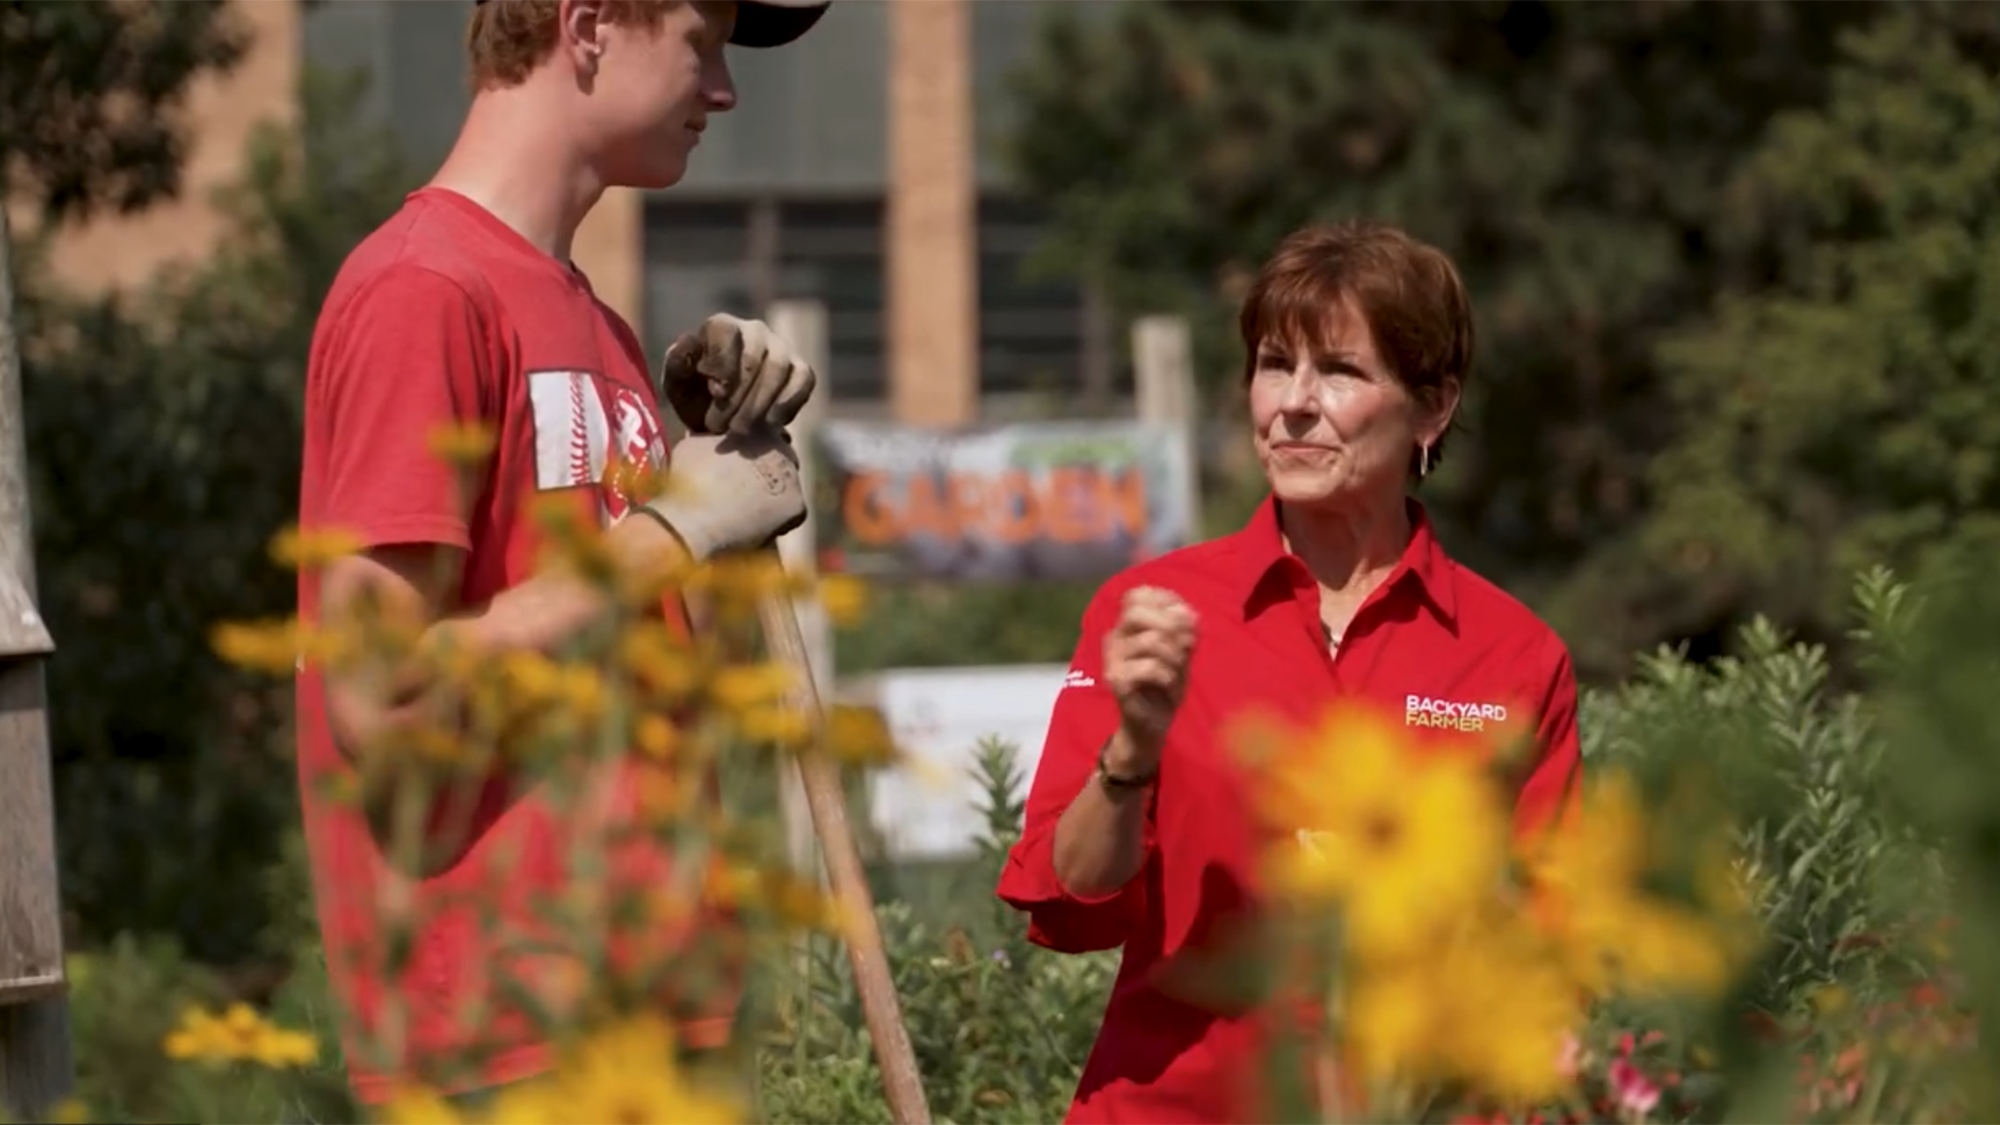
(733, 375)
(731, 492)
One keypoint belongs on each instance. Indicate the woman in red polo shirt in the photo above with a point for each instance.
(1138, 831)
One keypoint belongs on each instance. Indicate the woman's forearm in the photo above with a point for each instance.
(1101, 838)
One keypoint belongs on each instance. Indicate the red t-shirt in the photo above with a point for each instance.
(1434, 639)
(446, 315)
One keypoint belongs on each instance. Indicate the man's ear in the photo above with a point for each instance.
(580, 32)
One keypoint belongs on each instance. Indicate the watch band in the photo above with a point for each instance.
(1116, 783)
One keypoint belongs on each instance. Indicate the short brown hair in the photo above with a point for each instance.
(1408, 292)
(508, 39)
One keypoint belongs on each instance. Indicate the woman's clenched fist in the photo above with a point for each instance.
(1145, 665)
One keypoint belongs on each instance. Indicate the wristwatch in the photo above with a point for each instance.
(1118, 785)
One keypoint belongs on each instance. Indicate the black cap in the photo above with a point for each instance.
(769, 23)
(774, 23)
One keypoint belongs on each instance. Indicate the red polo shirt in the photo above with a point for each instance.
(1433, 639)
(445, 315)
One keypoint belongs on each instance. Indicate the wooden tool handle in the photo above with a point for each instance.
(828, 801)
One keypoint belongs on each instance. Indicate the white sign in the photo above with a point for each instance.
(928, 807)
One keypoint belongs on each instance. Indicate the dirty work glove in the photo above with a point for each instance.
(733, 375)
(731, 492)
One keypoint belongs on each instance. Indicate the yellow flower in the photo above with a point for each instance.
(308, 550)
(70, 1111)
(741, 687)
(430, 742)
(1614, 934)
(1644, 946)
(778, 725)
(533, 678)
(1513, 1006)
(737, 584)
(279, 1049)
(793, 901)
(656, 736)
(1391, 1021)
(581, 691)
(1489, 1007)
(532, 1103)
(418, 1105)
(663, 664)
(618, 1084)
(859, 736)
(1605, 846)
(278, 647)
(844, 598)
(623, 1073)
(239, 1034)
(1403, 843)
(462, 443)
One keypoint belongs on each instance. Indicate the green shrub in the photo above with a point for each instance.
(126, 999)
(1798, 766)
(1000, 1030)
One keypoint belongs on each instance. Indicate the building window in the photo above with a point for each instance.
(697, 263)
(1036, 335)
(831, 252)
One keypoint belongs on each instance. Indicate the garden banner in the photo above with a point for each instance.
(1015, 503)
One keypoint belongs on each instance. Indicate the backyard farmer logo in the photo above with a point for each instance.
(1450, 714)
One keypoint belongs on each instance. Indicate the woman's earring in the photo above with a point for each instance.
(1423, 462)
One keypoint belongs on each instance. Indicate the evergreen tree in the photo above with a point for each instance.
(1572, 157)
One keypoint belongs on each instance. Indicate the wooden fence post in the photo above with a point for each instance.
(1164, 384)
(35, 1071)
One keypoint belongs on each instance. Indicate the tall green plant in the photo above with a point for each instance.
(1803, 768)
(1001, 1032)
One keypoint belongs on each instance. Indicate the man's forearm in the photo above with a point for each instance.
(1100, 840)
(541, 615)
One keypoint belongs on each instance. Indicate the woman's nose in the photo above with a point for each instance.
(1298, 397)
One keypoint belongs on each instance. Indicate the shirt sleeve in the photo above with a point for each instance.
(409, 354)
(1085, 716)
(1550, 792)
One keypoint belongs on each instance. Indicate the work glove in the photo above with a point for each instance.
(731, 492)
(733, 375)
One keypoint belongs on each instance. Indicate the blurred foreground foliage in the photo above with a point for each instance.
(1861, 817)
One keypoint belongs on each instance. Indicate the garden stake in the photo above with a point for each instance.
(827, 799)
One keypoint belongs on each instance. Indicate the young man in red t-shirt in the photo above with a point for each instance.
(464, 308)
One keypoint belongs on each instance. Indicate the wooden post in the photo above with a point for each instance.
(803, 325)
(933, 216)
(35, 1070)
(1163, 371)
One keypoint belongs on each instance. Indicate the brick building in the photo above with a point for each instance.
(860, 170)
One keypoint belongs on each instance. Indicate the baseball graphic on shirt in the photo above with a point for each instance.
(572, 433)
(580, 431)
